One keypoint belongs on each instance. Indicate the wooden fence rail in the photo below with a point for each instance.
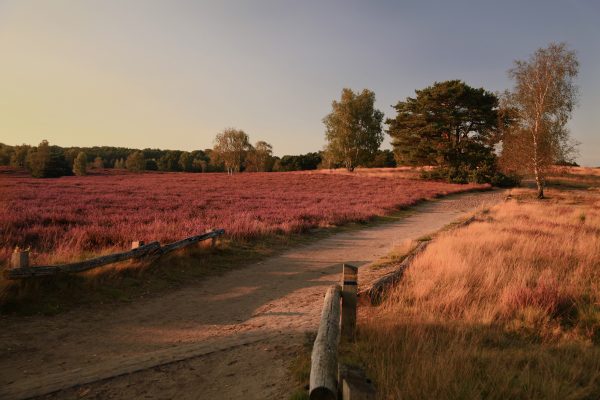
(323, 370)
(21, 269)
(328, 379)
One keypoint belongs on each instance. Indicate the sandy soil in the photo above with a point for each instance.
(230, 337)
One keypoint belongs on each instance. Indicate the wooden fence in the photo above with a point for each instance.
(20, 268)
(329, 379)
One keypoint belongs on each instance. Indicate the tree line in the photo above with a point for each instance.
(46, 160)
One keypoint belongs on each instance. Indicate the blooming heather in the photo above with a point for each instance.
(72, 217)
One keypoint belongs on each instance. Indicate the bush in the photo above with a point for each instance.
(505, 180)
(151, 165)
(462, 174)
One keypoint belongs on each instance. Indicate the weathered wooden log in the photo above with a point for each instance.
(191, 240)
(20, 273)
(153, 248)
(349, 287)
(377, 289)
(323, 370)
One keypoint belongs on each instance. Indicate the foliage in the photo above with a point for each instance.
(18, 157)
(136, 162)
(98, 162)
(186, 162)
(169, 161)
(540, 104)
(260, 157)
(302, 162)
(47, 161)
(450, 125)
(80, 164)
(382, 159)
(231, 147)
(201, 160)
(5, 154)
(151, 165)
(353, 128)
(119, 164)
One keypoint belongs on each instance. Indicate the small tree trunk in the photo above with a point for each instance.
(349, 165)
(536, 166)
(539, 182)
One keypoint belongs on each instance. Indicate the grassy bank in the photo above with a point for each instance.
(507, 307)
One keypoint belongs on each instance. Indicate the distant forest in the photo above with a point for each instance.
(58, 161)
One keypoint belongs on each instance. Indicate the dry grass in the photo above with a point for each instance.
(508, 307)
(397, 172)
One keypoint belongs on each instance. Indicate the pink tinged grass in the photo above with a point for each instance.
(65, 218)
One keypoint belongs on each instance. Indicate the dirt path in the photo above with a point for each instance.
(230, 337)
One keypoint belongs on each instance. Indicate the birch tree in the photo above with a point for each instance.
(231, 147)
(260, 157)
(540, 105)
(80, 164)
(353, 128)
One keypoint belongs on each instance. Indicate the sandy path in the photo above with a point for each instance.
(230, 337)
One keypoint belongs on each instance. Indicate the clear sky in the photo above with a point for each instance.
(171, 74)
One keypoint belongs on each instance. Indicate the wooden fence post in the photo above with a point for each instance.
(136, 244)
(355, 385)
(349, 288)
(19, 258)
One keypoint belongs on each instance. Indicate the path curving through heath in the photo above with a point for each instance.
(229, 337)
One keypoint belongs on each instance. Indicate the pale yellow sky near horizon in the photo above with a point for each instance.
(75, 98)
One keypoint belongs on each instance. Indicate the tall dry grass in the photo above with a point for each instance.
(508, 307)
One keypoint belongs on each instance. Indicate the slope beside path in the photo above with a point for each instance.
(230, 337)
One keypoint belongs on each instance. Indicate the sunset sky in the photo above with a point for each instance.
(172, 74)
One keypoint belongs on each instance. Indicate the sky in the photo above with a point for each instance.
(172, 74)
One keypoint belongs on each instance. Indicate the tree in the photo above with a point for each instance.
(186, 162)
(136, 162)
(383, 159)
(230, 148)
(450, 125)
(169, 161)
(353, 128)
(47, 161)
(98, 162)
(5, 154)
(150, 165)
(19, 155)
(119, 164)
(80, 164)
(540, 104)
(260, 157)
